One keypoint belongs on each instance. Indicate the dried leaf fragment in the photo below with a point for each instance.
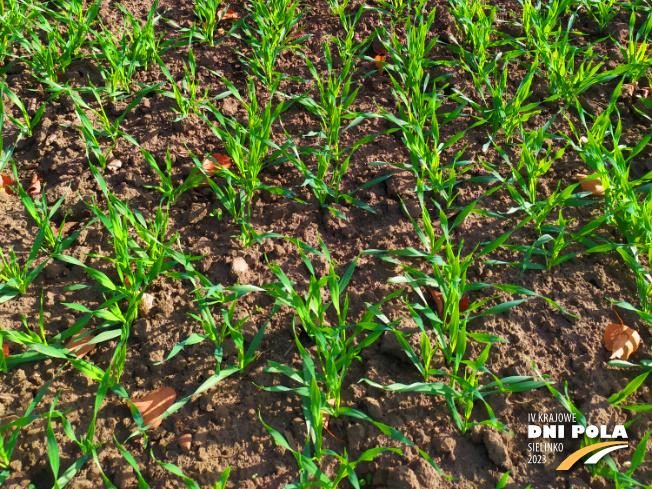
(6, 351)
(79, 346)
(379, 47)
(34, 186)
(380, 59)
(185, 442)
(228, 15)
(5, 182)
(621, 340)
(439, 302)
(153, 405)
(223, 163)
(65, 229)
(593, 185)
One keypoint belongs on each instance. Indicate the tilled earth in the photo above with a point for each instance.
(225, 421)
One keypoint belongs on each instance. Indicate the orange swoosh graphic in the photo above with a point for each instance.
(575, 456)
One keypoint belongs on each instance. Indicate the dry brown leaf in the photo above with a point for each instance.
(380, 59)
(185, 442)
(630, 89)
(5, 182)
(6, 351)
(223, 163)
(66, 228)
(621, 340)
(379, 47)
(439, 302)
(229, 15)
(79, 345)
(594, 185)
(153, 405)
(34, 186)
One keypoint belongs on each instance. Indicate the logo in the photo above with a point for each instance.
(552, 429)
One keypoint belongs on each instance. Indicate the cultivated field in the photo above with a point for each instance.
(329, 243)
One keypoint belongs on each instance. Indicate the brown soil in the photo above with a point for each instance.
(224, 420)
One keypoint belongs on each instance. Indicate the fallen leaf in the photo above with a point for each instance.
(380, 59)
(379, 47)
(153, 405)
(6, 351)
(185, 442)
(439, 302)
(65, 229)
(5, 182)
(34, 186)
(79, 345)
(223, 163)
(229, 15)
(629, 89)
(621, 340)
(593, 185)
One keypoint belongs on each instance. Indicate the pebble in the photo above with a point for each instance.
(239, 268)
(146, 304)
(114, 165)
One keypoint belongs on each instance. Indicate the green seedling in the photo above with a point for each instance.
(27, 124)
(208, 14)
(188, 97)
(602, 11)
(273, 30)
(124, 56)
(636, 51)
(17, 278)
(248, 147)
(339, 341)
(336, 96)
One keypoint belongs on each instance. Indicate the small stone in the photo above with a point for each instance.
(239, 268)
(146, 304)
(220, 32)
(496, 448)
(114, 165)
(185, 442)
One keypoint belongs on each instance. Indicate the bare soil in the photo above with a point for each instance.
(225, 421)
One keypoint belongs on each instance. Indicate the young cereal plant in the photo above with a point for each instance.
(188, 99)
(602, 11)
(638, 57)
(339, 341)
(332, 108)
(477, 30)
(502, 112)
(248, 147)
(567, 80)
(273, 31)
(418, 103)
(122, 57)
(27, 124)
(208, 14)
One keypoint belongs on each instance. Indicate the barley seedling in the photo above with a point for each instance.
(338, 342)
(602, 11)
(248, 147)
(123, 56)
(27, 124)
(477, 26)
(188, 99)
(208, 14)
(418, 103)
(273, 31)
(333, 108)
(635, 52)
(504, 113)
(17, 278)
